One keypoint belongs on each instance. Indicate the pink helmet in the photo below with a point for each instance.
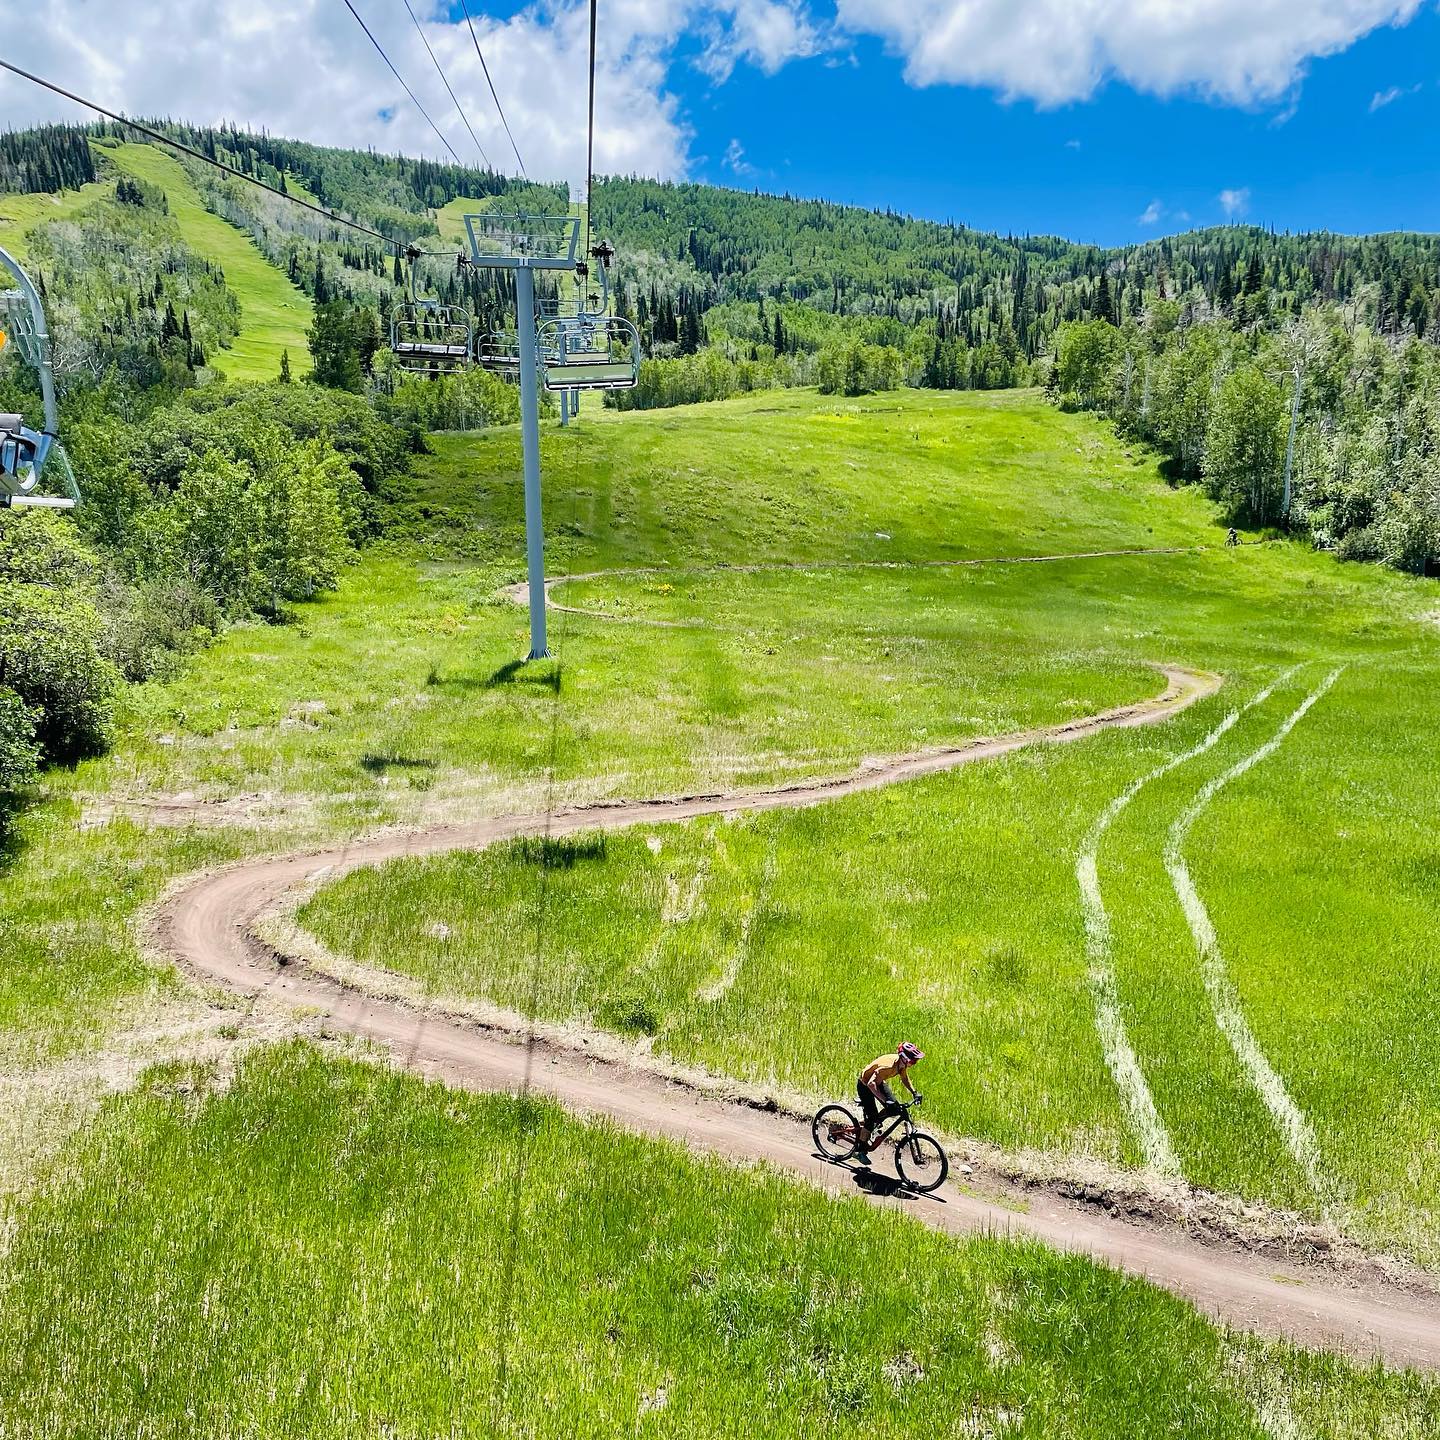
(909, 1053)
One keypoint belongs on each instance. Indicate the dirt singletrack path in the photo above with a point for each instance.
(520, 592)
(207, 926)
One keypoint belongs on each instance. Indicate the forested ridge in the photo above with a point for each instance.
(1296, 376)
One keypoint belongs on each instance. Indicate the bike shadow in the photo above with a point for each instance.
(875, 1182)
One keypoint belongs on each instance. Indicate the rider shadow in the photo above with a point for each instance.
(873, 1183)
(885, 1187)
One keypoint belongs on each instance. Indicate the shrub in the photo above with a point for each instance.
(51, 635)
(19, 751)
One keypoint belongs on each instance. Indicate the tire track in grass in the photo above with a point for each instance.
(1294, 1125)
(716, 989)
(1120, 1057)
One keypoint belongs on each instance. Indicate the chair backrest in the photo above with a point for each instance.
(591, 353)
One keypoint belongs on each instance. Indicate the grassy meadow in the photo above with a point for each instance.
(20, 214)
(397, 699)
(324, 1248)
(324, 1244)
(948, 908)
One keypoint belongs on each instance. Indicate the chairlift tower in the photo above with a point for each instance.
(25, 453)
(566, 353)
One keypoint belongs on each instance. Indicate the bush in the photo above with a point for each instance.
(852, 367)
(51, 654)
(149, 627)
(470, 400)
(19, 750)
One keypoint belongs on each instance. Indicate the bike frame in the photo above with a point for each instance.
(888, 1128)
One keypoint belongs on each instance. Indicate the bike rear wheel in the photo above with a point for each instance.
(921, 1163)
(834, 1130)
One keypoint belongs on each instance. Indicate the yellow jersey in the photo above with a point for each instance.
(883, 1067)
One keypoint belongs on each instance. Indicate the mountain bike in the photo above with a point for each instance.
(919, 1161)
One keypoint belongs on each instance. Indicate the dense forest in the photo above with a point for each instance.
(1296, 376)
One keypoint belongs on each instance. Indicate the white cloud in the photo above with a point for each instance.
(1152, 213)
(1382, 98)
(303, 68)
(1234, 202)
(767, 33)
(735, 160)
(1056, 51)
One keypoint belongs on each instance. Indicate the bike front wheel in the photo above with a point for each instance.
(834, 1130)
(921, 1163)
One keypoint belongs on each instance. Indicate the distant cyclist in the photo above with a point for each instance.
(1233, 538)
(877, 1099)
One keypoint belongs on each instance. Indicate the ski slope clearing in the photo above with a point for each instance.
(275, 315)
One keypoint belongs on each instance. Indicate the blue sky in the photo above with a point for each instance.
(1318, 156)
(1100, 120)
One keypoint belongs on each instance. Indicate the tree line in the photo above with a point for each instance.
(1322, 424)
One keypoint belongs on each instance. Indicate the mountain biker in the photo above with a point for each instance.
(877, 1099)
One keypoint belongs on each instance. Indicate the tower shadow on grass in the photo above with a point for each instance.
(562, 853)
(541, 675)
(11, 844)
(376, 764)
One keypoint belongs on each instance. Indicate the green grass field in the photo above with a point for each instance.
(275, 315)
(393, 701)
(949, 907)
(326, 1249)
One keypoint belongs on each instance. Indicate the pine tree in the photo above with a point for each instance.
(284, 367)
(1104, 305)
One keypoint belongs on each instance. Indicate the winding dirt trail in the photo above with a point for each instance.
(520, 592)
(208, 923)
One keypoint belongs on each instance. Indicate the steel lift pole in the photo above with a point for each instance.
(530, 442)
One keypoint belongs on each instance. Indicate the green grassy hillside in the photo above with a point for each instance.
(274, 314)
(328, 1250)
(19, 214)
(321, 1246)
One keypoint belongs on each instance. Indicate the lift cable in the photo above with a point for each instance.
(403, 85)
(590, 135)
(459, 109)
(191, 151)
(150, 132)
(466, 8)
(547, 861)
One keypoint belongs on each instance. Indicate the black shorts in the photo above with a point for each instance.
(872, 1107)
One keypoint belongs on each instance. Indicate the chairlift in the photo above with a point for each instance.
(590, 352)
(26, 454)
(499, 351)
(428, 337)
